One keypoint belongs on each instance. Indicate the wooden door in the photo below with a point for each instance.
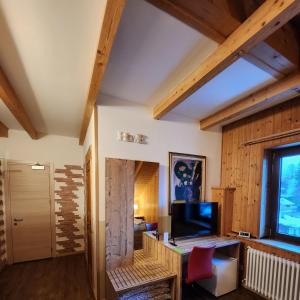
(30, 202)
(89, 245)
(119, 195)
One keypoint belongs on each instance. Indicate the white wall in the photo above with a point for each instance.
(53, 149)
(174, 134)
(60, 150)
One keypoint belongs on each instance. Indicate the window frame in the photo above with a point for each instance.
(275, 190)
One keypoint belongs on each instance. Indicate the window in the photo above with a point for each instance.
(285, 194)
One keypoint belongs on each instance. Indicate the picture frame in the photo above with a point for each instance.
(187, 178)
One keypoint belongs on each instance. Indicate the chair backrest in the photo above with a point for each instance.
(154, 226)
(200, 264)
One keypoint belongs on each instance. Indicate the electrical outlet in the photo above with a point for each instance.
(244, 234)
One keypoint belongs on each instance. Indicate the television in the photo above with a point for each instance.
(194, 219)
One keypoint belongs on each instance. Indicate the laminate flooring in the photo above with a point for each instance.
(198, 293)
(63, 278)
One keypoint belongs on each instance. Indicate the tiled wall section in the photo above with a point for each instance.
(69, 209)
(2, 221)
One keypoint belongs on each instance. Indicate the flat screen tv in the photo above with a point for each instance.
(194, 219)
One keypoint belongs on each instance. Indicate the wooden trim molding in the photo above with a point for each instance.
(3, 130)
(272, 137)
(283, 89)
(269, 17)
(97, 199)
(10, 99)
(2, 221)
(112, 17)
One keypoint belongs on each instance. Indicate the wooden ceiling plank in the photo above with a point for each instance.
(264, 21)
(278, 55)
(276, 91)
(109, 27)
(10, 99)
(3, 130)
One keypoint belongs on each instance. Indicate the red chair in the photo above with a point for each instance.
(154, 226)
(200, 264)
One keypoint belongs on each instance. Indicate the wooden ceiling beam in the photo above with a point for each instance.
(3, 130)
(268, 18)
(280, 90)
(277, 55)
(109, 27)
(9, 97)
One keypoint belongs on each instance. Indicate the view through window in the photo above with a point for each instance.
(288, 215)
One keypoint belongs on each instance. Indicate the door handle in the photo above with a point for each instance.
(18, 220)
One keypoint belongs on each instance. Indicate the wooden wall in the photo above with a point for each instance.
(146, 191)
(69, 222)
(2, 220)
(242, 164)
(119, 194)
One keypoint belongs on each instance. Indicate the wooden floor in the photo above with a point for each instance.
(198, 293)
(63, 278)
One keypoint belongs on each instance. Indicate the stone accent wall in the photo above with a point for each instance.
(69, 209)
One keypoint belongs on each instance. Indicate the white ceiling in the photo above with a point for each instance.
(236, 82)
(153, 52)
(150, 46)
(47, 50)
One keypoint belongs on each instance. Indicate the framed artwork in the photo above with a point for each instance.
(186, 177)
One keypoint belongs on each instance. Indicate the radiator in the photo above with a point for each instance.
(271, 276)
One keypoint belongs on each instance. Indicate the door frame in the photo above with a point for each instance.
(7, 201)
(88, 158)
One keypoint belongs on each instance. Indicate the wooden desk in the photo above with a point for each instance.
(174, 257)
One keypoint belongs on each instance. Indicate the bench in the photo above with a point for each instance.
(145, 277)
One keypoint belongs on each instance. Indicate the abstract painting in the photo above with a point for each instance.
(186, 177)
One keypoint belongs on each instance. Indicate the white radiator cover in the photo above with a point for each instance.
(271, 276)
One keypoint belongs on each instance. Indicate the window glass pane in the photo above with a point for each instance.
(289, 196)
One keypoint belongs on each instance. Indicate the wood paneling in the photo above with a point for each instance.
(269, 17)
(119, 195)
(242, 164)
(69, 234)
(2, 222)
(146, 191)
(225, 197)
